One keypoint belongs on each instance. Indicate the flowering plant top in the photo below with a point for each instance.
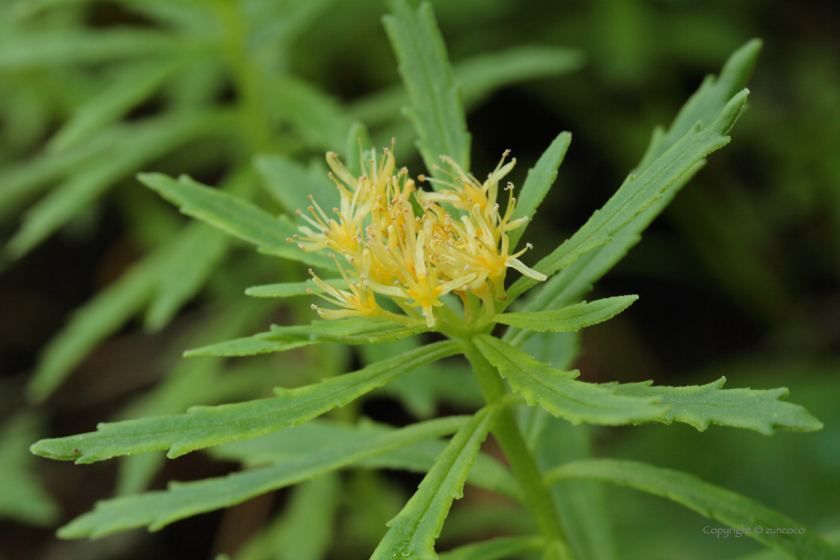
(412, 245)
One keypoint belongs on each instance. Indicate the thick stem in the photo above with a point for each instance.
(535, 494)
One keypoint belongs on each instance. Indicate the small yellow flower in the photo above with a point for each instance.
(413, 258)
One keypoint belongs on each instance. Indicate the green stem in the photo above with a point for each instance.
(535, 494)
(246, 76)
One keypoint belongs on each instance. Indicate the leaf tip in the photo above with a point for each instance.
(68, 532)
(753, 47)
(149, 179)
(176, 451)
(37, 448)
(730, 113)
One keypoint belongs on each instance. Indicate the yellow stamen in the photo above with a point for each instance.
(414, 259)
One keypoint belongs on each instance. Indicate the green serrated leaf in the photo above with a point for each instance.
(413, 532)
(22, 496)
(577, 279)
(572, 318)
(540, 179)
(192, 382)
(200, 384)
(233, 215)
(636, 194)
(181, 500)
(207, 426)
(291, 289)
(710, 99)
(290, 183)
(436, 111)
(706, 499)
(321, 435)
(701, 405)
(132, 85)
(559, 393)
(495, 549)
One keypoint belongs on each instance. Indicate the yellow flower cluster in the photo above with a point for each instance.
(401, 242)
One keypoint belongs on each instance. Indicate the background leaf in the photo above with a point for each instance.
(191, 382)
(290, 289)
(312, 512)
(495, 549)
(478, 76)
(147, 141)
(22, 497)
(233, 215)
(706, 499)
(357, 144)
(290, 183)
(131, 86)
(314, 115)
(199, 249)
(57, 48)
(89, 325)
(23, 180)
(320, 435)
